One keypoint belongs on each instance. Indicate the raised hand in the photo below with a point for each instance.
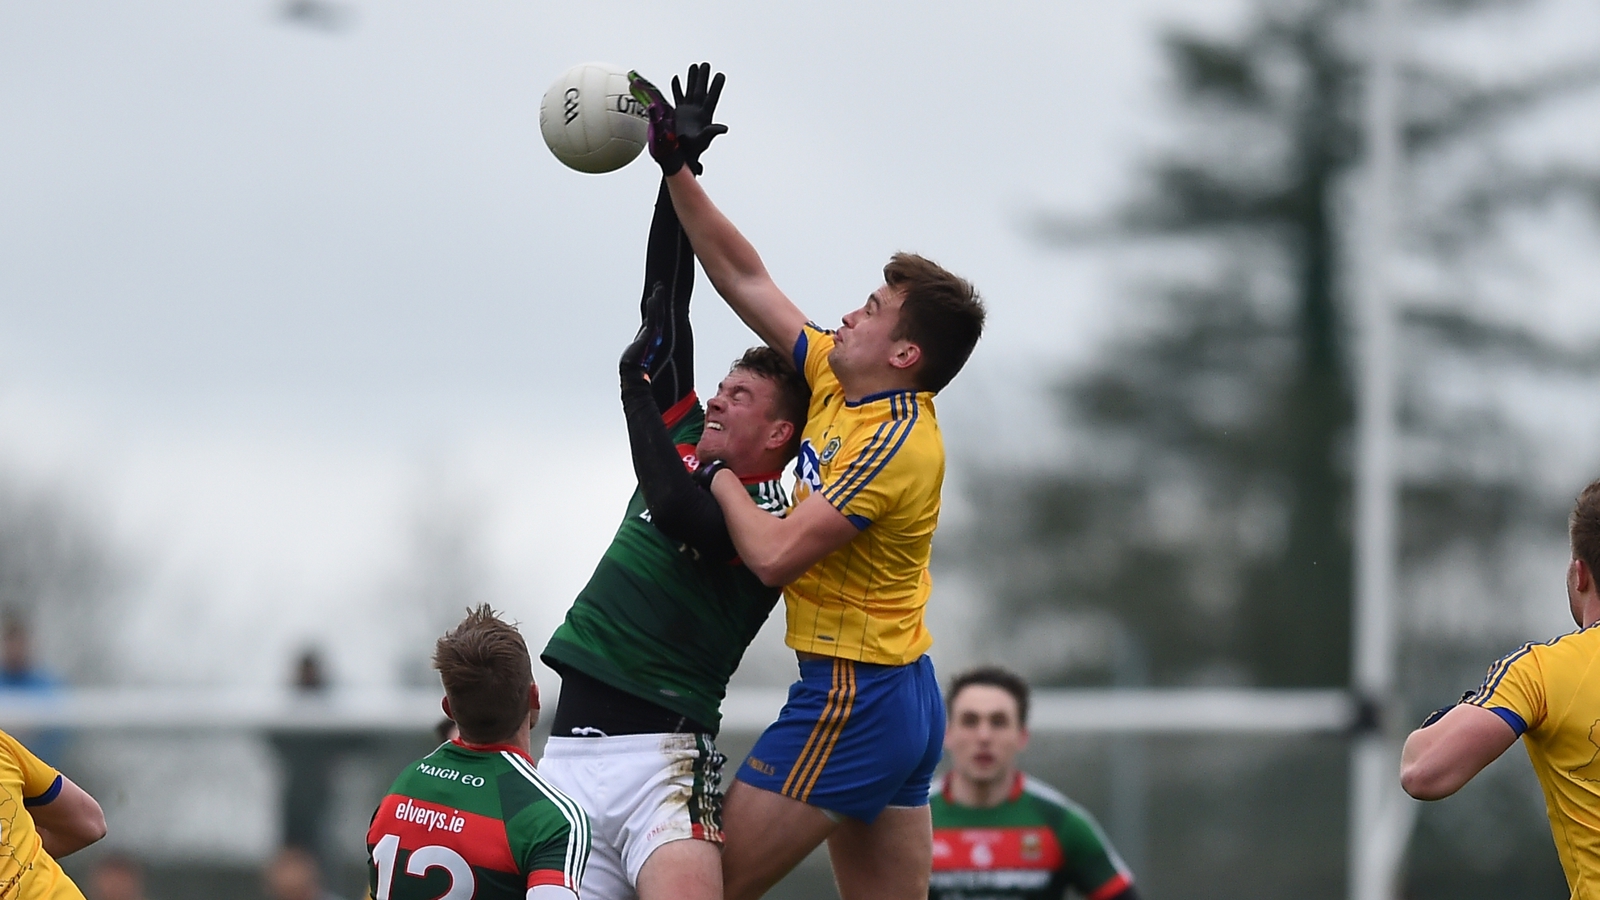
(640, 358)
(679, 134)
(694, 111)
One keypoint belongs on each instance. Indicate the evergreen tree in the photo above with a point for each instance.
(1207, 507)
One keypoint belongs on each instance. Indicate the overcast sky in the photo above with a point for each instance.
(271, 293)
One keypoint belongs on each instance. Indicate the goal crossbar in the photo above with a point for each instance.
(1070, 711)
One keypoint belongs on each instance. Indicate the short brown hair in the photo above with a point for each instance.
(991, 676)
(794, 396)
(941, 313)
(486, 671)
(1583, 527)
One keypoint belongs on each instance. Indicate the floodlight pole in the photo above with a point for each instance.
(1380, 814)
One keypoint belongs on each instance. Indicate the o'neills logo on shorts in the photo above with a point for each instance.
(431, 818)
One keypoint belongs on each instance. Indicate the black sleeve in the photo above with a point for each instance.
(678, 507)
(669, 261)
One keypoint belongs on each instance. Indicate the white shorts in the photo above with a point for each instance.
(641, 791)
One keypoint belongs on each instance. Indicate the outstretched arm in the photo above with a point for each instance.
(734, 266)
(669, 266)
(678, 133)
(1439, 758)
(678, 508)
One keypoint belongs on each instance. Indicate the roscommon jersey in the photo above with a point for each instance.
(27, 872)
(1030, 847)
(880, 462)
(658, 621)
(474, 823)
(1550, 695)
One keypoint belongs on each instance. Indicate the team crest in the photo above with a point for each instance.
(1032, 847)
(832, 450)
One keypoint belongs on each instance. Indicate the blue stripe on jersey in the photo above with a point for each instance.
(1512, 719)
(869, 454)
(875, 445)
(50, 794)
(905, 432)
(801, 345)
(873, 398)
(1497, 672)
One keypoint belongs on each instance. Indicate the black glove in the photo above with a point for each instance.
(677, 138)
(693, 113)
(639, 359)
(707, 472)
(1438, 714)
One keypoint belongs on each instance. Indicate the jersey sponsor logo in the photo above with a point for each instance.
(995, 848)
(468, 779)
(414, 822)
(1032, 847)
(807, 468)
(431, 818)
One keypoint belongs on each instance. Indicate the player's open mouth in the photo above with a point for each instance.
(714, 426)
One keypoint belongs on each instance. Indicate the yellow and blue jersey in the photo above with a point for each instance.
(26, 871)
(1550, 695)
(880, 462)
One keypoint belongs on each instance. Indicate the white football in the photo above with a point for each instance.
(590, 121)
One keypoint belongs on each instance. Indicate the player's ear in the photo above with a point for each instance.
(445, 705)
(1581, 577)
(533, 696)
(782, 431)
(905, 355)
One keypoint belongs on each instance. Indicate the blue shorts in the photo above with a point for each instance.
(853, 738)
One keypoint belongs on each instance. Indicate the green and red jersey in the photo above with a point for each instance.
(474, 823)
(1032, 846)
(658, 621)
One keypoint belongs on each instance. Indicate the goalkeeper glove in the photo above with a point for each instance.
(707, 473)
(679, 135)
(639, 359)
(1438, 714)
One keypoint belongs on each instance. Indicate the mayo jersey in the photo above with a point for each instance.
(1030, 847)
(474, 823)
(880, 461)
(1550, 695)
(26, 871)
(656, 620)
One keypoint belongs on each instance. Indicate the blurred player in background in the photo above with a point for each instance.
(43, 817)
(473, 818)
(646, 651)
(997, 833)
(293, 873)
(116, 876)
(1549, 695)
(851, 756)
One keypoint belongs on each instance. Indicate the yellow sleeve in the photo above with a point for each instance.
(40, 782)
(1514, 690)
(811, 350)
